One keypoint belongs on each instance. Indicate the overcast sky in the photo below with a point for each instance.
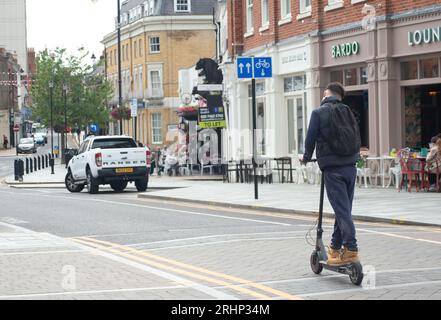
(70, 24)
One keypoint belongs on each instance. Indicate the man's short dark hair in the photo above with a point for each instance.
(337, 89)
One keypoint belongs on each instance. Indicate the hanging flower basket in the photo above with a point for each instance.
(121, 113)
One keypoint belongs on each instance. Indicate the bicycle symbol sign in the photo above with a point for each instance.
(263, 68)
(259, 67)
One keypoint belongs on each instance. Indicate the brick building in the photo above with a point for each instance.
(159, 38)
(386, 53)
(9, 70)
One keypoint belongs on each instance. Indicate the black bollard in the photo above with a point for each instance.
(31, 165)
(35, 164)
(16, 176)
(27, 166)
(20, 169)
(39, 162)
(46, 159)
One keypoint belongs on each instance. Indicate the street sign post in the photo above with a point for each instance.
(134, 112)
(252, 68)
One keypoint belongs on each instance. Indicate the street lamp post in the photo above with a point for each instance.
(51, 89)
(65, 88)
(120, 100)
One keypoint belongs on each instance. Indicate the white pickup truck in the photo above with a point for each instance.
(114, 160)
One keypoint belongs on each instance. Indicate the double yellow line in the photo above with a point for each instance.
(231, 282)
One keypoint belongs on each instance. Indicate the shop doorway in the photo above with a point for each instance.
(422, 105)
(358, 101)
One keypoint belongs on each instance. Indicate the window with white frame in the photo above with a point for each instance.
(155, 44)
(285, 6)
(334, 4)
(265, 13)
(140, 82)
(250, 22)
(305, 6)
(182, 6)
(151, 7)
(154, 80)
(156, 128)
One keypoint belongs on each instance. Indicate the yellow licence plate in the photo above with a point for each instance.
(124, 170)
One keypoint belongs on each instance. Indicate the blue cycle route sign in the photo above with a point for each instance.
(254, 67)
(263, 67)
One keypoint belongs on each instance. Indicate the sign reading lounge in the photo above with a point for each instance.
(428, 35)
(345, 49)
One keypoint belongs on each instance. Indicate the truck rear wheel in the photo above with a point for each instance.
(92, 183)
(141, 185)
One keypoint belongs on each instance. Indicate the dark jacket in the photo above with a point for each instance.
(318, 129)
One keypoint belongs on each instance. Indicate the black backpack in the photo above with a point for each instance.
(344, 136)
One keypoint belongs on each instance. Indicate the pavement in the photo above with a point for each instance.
(374, 204)
(57, 245)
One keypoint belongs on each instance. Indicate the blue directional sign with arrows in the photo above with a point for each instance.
(244, 68)
(260, 67)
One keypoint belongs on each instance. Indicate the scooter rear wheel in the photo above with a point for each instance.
(356, 274)
(316, 266)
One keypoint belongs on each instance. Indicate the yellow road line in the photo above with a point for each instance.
(198, 269)
(172, 269)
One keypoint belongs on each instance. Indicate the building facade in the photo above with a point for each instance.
(13, 34)
(386, 53)
(9, 93)
(159, 38)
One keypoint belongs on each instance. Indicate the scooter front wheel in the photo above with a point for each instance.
(316, 266)
(356, 273)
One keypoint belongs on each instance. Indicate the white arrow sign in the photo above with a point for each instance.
(241, 67)
(248, 67)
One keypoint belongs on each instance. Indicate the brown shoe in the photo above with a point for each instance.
(333, 254)
(346, 257)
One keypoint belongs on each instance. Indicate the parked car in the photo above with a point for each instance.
(26, 145)
(40, 139)
(114, 160)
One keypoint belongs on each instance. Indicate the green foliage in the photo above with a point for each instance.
(87, 94)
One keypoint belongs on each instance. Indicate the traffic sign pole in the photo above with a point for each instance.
(252, 68)
(253, 105)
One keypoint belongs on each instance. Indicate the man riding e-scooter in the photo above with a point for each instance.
(334, 133)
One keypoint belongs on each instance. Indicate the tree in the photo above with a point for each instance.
(88, 91)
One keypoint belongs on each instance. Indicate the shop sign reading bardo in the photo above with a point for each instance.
(345, 49)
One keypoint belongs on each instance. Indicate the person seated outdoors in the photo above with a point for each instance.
(433, 162)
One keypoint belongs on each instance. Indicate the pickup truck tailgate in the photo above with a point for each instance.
(123, 158)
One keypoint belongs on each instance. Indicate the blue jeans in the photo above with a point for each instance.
(340, 185)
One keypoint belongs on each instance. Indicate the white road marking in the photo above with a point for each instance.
(39, 252)
(73, 293)
(210, 237)
(168, 209)
(400, 236)
(221, 242)
(162, 274)
(392, 286)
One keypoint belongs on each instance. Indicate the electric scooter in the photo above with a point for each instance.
(319, 256)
